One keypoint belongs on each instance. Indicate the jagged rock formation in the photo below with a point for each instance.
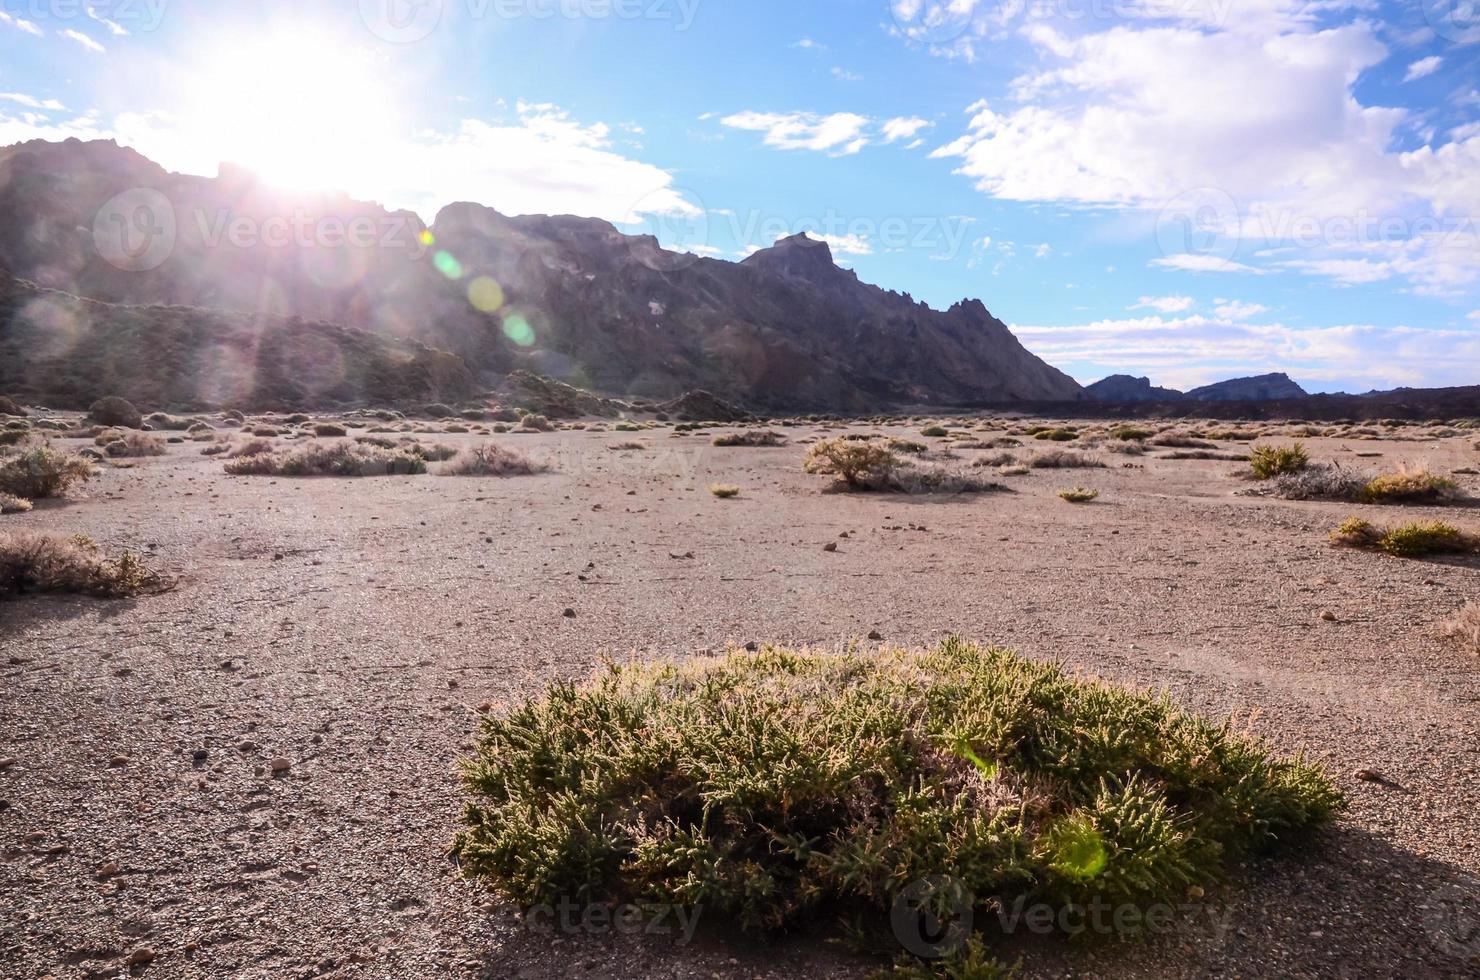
(564, 297)
(1124, 388)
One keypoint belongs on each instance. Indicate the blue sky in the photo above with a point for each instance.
(1190, 189)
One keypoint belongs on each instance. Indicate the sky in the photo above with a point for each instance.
(1187, 189)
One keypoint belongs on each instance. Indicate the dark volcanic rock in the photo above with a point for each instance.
(1124, 388)
(575, 299)
(1267, 387)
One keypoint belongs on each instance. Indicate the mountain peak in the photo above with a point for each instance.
(796, 255)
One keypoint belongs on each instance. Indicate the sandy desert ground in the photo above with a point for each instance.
(357, 627)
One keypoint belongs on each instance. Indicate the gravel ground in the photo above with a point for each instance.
(355, 629)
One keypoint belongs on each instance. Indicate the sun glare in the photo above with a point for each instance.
(301, 110)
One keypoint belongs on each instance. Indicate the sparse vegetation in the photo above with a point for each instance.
(34, 562)
(1407, 540)
(752, 437)
(343, 459)
(132, 445)
(935, 432)
(42, 472)
(1320, 481)
(1079, 495)
(1056, 435)
(1064, 459)
(1464, 627)
(534, 423)
(860, 465)
(724, 491)
(1128, 433)
(1268, 462)
(776, 787)
(116, 411)
(1410, 486)
(329, 430)
(490, 459)
(13, 505)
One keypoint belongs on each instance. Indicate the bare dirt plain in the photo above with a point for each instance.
(356, 627)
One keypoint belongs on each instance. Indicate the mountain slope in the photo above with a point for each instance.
(1265, 387)
(1124, 388)
(572, 298)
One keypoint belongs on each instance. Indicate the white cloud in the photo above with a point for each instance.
(845, 244)
(545, 163)
(904, 128)
(807, 44)
(1203, 263)
(1165, 304)
(1473, 315)
(20, 23)
(1236, 310)
(32, 103)
(1042, 251)
(1423, 68)
(114, 28)
(83, 40)
(840, 133)
(844, 75)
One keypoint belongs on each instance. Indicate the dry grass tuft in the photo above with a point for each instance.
(33, 562)
(1064, 459)
(491, 460)
(1268, 462)
(1464, 627)
(13, 505)
(134, 445)
(1079, 495)
(1411, 486)
(1406, 540)
(329, 430)
(724, 491)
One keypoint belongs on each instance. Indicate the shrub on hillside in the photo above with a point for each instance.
(1268, 462)
(115, 411)
(328, 459)
(42, 472)
(776, 788)
(32, 562)
(491, 460)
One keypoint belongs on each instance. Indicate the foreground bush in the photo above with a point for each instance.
(329, 459)
(42, 472)
(858, 464)
(31, 562)
(1079, 495)
(772, 788)
(1268, 462)
(1411, 486)
(491, 460)
(1406, 540)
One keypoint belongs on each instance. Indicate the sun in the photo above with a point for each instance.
(301, 110)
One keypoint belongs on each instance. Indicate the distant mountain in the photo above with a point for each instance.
(564, 297)
(1124, 388)
(1265, 388)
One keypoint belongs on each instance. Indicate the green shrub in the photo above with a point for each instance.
(775, 788)
(1079, 495)
(1268, 462)
(1056, 435)
(42, 472)
(32, 562)
(1410, 486)
(935, 432)
(328, 459)
(1128, 433)
(1407, 540)
(627, 427)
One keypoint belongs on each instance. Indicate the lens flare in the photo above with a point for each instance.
(447, 265)
(517, 329)
(486, 295)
